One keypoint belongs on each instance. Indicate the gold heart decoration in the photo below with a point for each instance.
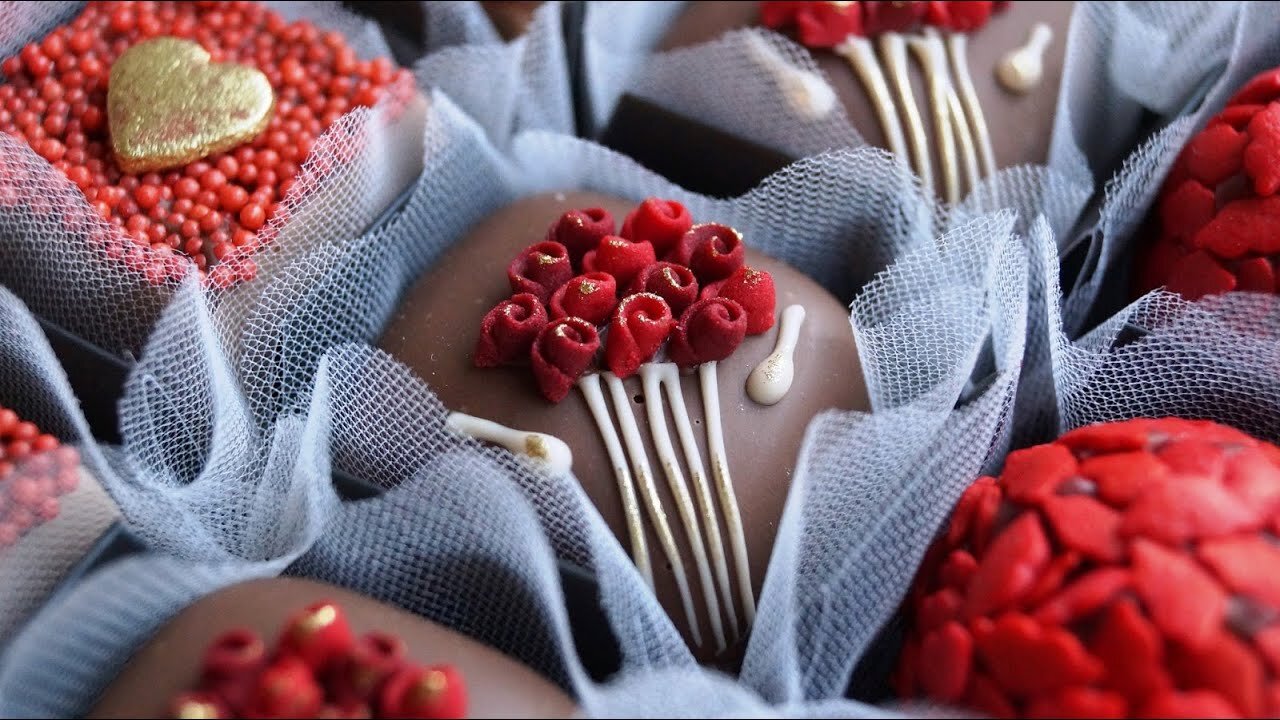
(167, 105)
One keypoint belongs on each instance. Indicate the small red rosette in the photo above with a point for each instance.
(591, 296)
(539, 269)
(661, 223)
(753, 290)
(640, 326)
(561, 354)
(669, 281)
(508, 331)
(710, 329)
(619, 257)
(579, 231)
(713, 252)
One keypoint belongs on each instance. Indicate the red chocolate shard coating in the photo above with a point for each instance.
(1124, 567)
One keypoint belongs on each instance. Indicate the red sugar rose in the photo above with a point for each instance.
(580, 231)
(828, 24)
(658, 222)
(711, 329)
(508, 330)
(619, 257)
(753, 290)
(713, 252)
(669, 281)
(540, 269)
(1125, 570)
(591, 296)
(1219, 211)
(445, 694)
(640, 325)
(561, 354)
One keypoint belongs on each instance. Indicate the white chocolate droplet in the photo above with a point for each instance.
(552, 452)
(807, 92)
(1022, 69)
(771, 379)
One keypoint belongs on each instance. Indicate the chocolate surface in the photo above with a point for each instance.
(497, 686)
(1020, 125)
(435, 329)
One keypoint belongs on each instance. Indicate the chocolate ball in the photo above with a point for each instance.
(1019, 123)
(435, 330)
(170, 663)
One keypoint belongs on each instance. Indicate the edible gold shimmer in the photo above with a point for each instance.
(586, 287)
(322, 617)
(168, 106)
(536, 447)
(192, 710)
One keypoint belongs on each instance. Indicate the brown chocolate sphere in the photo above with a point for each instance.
(435, 330)
(497, 686)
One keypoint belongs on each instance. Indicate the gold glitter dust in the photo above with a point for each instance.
(536, 447)
(544, 259)
(671, 277)
(430, 687)
(192, 710)
(321, 617)
(586, 287)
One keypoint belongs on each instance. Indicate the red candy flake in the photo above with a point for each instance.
(554, 317)
(35, 470)
(1219, 208)
(319, 669)
(1130, 571)
(828, 24)
(215, 212)
(640, 326)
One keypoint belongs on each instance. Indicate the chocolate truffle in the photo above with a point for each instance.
(1019, 121)
(436, 328)
(171, 663)
(1126, 569)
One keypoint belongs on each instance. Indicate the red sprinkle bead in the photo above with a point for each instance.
(34, 471)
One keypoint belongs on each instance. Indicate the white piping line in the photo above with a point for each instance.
(860, 55)
(894, 50)
(929, 53)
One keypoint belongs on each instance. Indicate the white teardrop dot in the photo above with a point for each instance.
(807, 92)
(771, 379)
(1022, 69)
(548, 450)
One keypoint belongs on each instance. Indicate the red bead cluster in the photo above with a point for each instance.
(1128, 569)
(320, 669)
(34, 471)
(828, 24)
(680, 282)
(214, 212)
(1219, 207)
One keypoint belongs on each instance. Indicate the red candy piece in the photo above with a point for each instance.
(713, 252)
(661, 223)
(1009, 567)
(881, 16)
(958, 569)
(818, 24)
(592, 297)
(1078, 702)
(1086, 525)
(1184, 601)
(561, 353)
(1120, 476)
(285, 689)
(640, 325)
(983, 492)
(1033, 474)
(1084, 596)
(424, 692)
(234, 655)
(1027, 658)
(939, 608)
(318, 635)
(1260, 90)
(1215, 154)
(375, 657)
(580, 231)
(1131, 650)
(946, 658)
(1262, 155)
(753, 290)
(1050, 581)
(1174, 512)
(1191, 704)
(987, 698)
(540, 269)
(709, 330)
(959, 15)
(1224, 665)
(1245, 564)
(669, 281)
(1112, 437)
(619, 257)
(508, 331)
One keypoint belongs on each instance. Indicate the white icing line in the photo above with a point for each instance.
(771, 379)
(968, 153)
(929, 53)
(590, 387)
(1022, 69)
(724, 486)
(649, 493)
(547, 450)
(861, 56)
(807, 92)
(957, 44)
(894, 50)
(651, 376)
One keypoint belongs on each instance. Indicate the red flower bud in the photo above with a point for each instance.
(959, 15)
(640, 325)
(359, 678)
(710, 329)
(508, 330)
(579, 231)
(661, 223)
(231, 663)
(285, 689)
(881, 16)
(619, 257)
(592, 297)
(818, 24)
(669, 281)
(561, 353)
(424, 692)
(539, 269)
(199, 705)
(318, 635)
(753, 290)
(713, 252)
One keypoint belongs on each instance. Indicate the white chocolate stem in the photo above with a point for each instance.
(724, 486)
(929, 53)
(968, 154)
(652, 377)
(894, 51)
(549, 451)
(862, 57)
(957, 48)
(590, 387)
(1022, 69)
(769, 382)
(649, 493)
(807, 92)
